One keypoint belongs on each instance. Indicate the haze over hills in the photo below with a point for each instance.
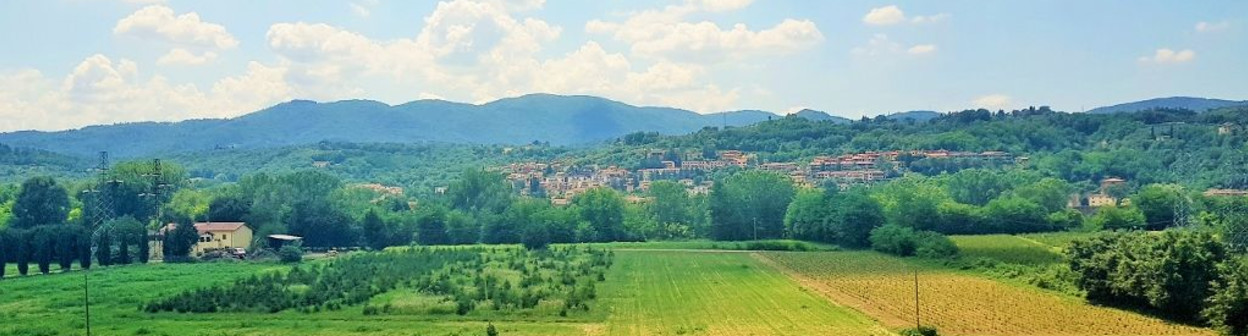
(563, 120)
(559, 120)
(1188, 103)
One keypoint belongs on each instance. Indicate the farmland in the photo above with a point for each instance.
(674, 293)
(1007, 248)
(957, 303)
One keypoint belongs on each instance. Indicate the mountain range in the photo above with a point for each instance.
(557, 119)
(1186, 103)
(562, 120)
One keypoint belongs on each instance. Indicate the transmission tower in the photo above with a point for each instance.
(101, 194)
(158, 186)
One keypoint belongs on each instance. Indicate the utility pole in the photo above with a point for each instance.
(917, 325)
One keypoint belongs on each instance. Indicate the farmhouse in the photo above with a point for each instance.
(212, 236)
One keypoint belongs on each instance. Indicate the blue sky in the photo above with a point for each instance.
(70, 63)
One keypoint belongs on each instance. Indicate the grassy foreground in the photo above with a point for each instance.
(647, 292)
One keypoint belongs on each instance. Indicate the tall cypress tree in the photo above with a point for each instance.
(104, 247)
(83, 237)
(43, 245)
(66, 246)
(22, 251)
(5, 246)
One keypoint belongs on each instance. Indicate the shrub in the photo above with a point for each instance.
(290, 254)
(920, 331)
(934, 245)
(904, 241)
(490, 330)
(893, 239)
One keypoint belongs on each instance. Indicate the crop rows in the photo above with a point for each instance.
(957, 304)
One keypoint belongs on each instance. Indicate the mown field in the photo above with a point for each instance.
(718, 293)
(645, 293)
(957, 303)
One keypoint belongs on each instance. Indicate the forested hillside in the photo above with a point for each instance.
(564, 120)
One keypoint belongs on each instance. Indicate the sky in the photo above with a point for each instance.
(71, 63)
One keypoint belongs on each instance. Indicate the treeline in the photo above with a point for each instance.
(46, 226)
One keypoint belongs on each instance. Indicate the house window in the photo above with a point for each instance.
(224, 237)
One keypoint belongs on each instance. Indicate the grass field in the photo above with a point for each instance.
(775, 244)
(957, 303)
(646, 293)
(1058, 240)
(1007, 249)
(52, 305)
(690, 293)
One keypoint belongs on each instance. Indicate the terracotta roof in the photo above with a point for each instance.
(218, 226)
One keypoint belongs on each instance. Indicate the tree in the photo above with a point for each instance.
(1117, 218)
(1160, 203)
(41, 201)
(671, 203)
(807, 217)
(603, 208)
(855, 215)
(6, 250)
(229, 208)
(67, 245)
(1227, 309)
(22, 250)
(178, 242)
(750, 205)
(976, 186)
(321, 224)
(1173, 272)
(431, 227)
(1014, 214)
(376, 234)
(535, 236)
(43, 247)
(103, 241)
(461, 228)
(478, 191)
(1049, 193)
(912, 202)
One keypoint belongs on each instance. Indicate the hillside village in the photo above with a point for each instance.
(561, 181)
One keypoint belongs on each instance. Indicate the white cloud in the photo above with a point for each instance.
(993, 102)
(883, 16)
(1212, 27)
(723, 5)
(143, 2)
(179, 56)
(891, 15)
(666, 35)
(1168, 56)
(159, 22)
(920, 49)
(100, 90)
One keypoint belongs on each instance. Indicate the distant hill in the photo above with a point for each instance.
(813, 115)
(919, 116)
(561, 120)
(1188, 103)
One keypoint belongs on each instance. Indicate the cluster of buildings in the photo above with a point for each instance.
(561, 182)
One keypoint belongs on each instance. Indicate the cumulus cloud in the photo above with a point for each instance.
(883, 16)
(1212, 27)
(920, 49)
(179, 56)
(665, 34)
(102, 90)
(1168, 56)
(159, 22)
(891, 15)
(993, 102)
